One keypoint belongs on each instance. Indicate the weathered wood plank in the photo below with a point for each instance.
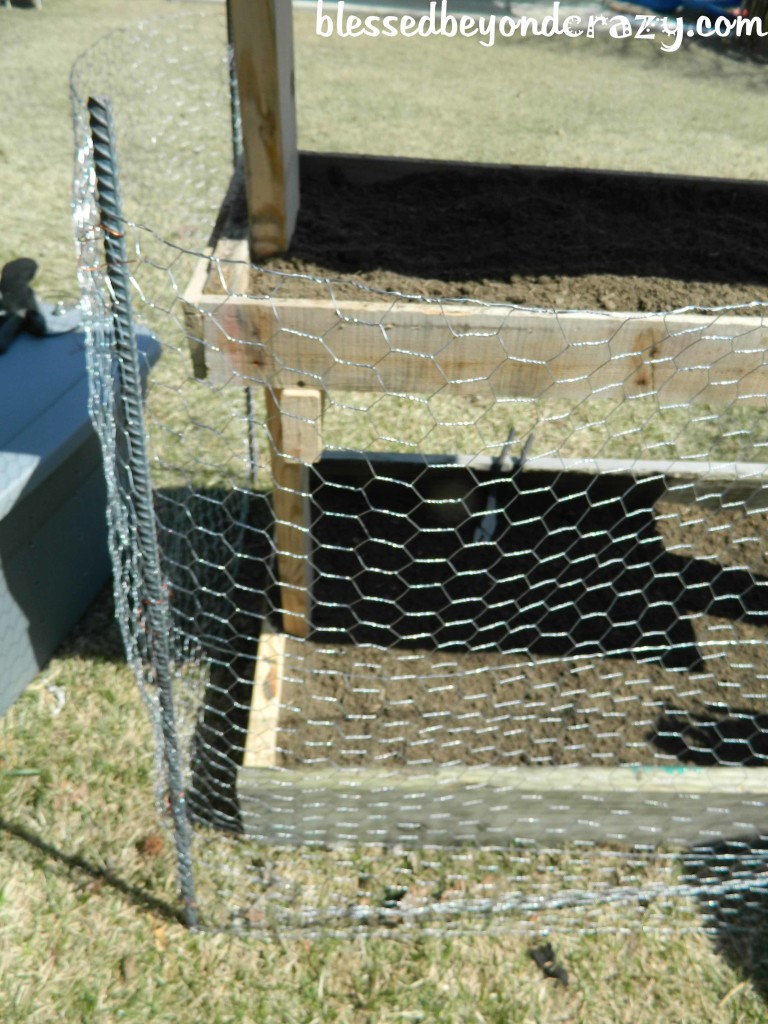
(262, 38)
(222, 270)
(294, 421)
(409, 347)
(261, 741)
(229, 268)
(194, 318)
(675, 806)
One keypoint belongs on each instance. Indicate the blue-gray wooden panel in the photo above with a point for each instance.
(53, 544)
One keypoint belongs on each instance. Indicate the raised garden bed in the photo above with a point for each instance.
(596, 260)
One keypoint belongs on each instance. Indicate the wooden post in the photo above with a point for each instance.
(262, 39)
(261, 742)
(294, 420)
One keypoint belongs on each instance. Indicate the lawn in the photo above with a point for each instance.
(89, 927)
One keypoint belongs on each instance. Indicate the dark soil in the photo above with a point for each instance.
(592, 629)
(531, 236)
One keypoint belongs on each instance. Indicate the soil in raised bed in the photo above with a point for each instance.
(599, 626)
(596, 628)
(541, 237)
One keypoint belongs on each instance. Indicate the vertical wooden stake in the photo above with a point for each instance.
(261, 742)
(294, 420)
(262, 41)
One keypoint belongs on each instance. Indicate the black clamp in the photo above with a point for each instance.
(501, 467)
(20, 311)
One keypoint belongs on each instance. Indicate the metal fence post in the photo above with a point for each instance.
(129, 377)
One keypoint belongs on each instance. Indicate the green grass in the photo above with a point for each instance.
(88, 904)
(87, 931)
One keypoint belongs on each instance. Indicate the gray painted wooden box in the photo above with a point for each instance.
(53, 540)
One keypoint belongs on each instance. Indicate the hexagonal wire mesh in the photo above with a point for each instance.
(466, 602)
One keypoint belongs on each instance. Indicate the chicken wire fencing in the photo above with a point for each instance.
(448, 614)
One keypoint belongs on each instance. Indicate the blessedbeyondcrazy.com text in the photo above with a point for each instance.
(670, 31)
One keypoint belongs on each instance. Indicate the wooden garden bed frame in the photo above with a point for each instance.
(300, 349)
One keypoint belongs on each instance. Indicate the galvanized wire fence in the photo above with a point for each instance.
(448, 614)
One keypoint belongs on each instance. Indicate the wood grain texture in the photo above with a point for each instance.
(194, 318)
(262, 37)
(407, 347)
(675, 806)
(221, 270)
(294, 420)
(261, 741)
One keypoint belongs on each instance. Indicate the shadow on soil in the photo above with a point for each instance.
(574, 566)
(439, 224)
(725, 736)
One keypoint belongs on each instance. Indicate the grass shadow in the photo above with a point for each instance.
(217, 553)
(734, 903)
(216, 550)
(96, 636)
(139, 897)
